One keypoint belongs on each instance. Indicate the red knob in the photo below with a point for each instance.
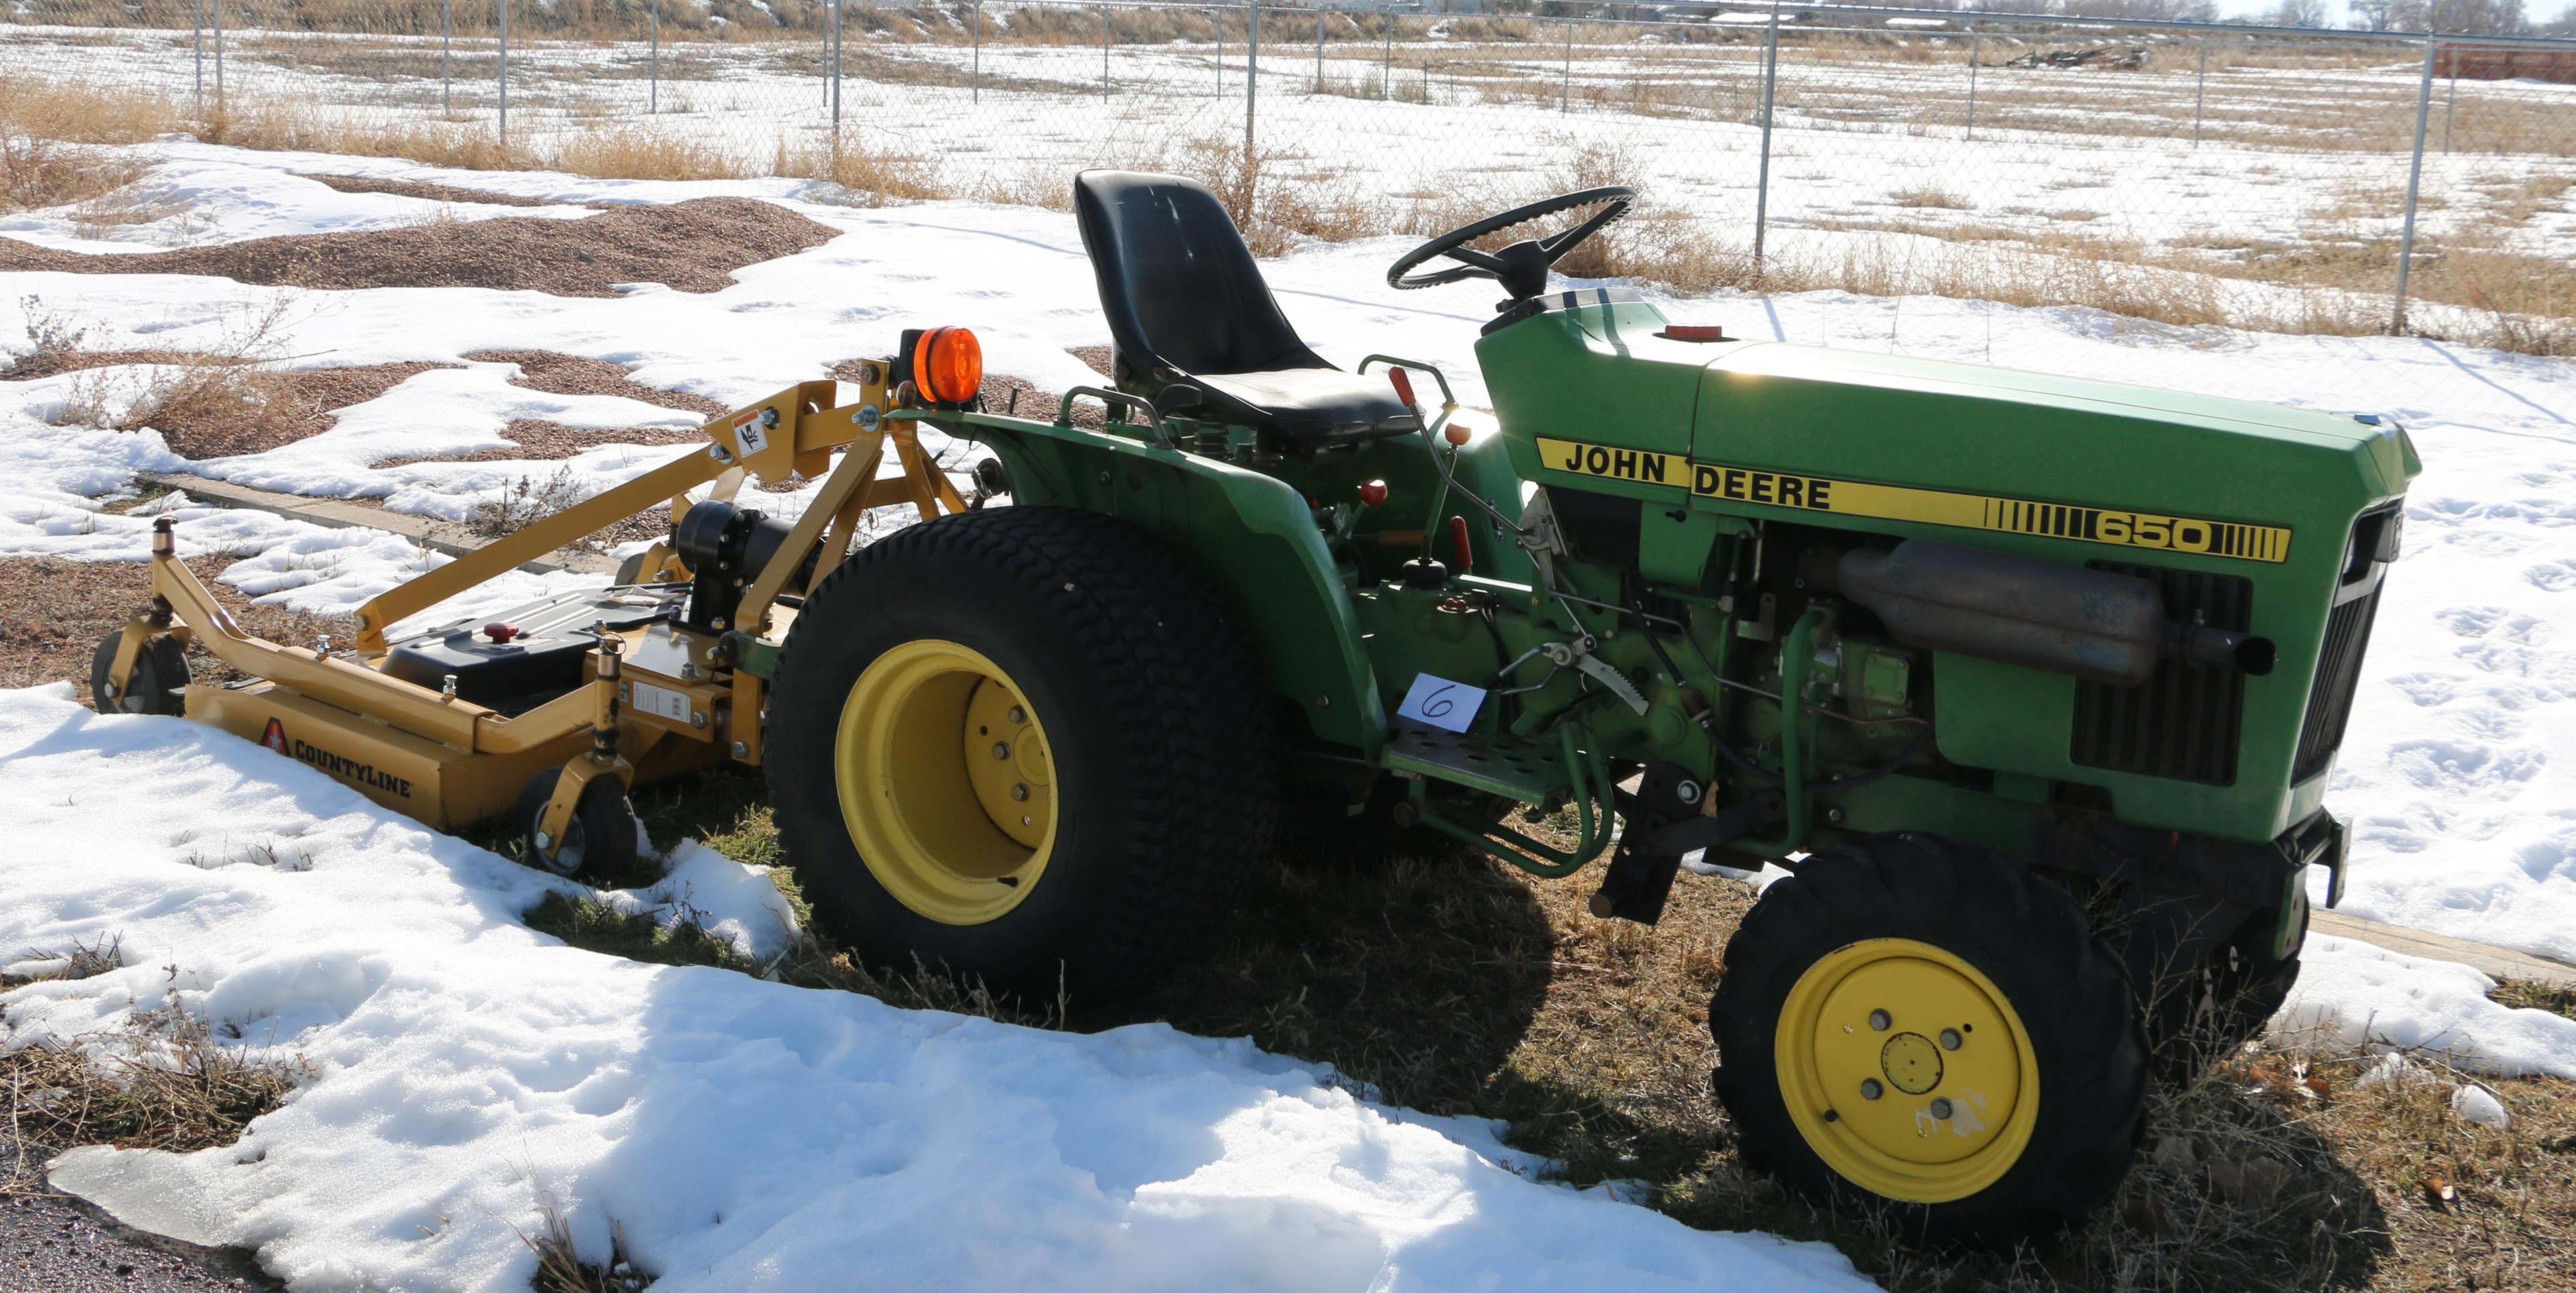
(1455, 434)
(500, 631)
(1373, 493)
(1403, 383)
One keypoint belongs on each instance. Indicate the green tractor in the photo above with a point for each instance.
(2032, 684)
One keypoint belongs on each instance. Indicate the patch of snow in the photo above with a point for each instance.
(737, 1134)
(2476, 1104)
(2356, 995)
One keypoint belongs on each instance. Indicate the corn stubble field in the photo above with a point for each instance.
(2252, 182)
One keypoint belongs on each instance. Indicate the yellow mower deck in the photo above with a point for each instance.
(450, 762)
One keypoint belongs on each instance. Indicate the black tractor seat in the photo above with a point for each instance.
(1187, 306)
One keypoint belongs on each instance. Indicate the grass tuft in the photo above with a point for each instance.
(162, 1082)
(560, 1268)
(2523, 994)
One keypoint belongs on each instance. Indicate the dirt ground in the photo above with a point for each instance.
(53, 614)
(436, 192)
(557, 373)
(694, 246)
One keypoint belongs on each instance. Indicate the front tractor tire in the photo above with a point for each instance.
(1919, 1027)
(1024, 745)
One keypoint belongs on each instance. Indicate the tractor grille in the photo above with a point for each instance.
(2182, 722)
(2338, 674)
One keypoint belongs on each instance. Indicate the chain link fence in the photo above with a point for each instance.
(2319, 181)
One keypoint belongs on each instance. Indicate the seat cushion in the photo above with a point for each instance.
(1316, 404)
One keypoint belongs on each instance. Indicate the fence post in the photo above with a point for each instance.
(975, 87)
(1975, 43)
(2450, 102)
(446, 46)
(2414, 182)
(2200, 93)
(504, 78)
(1386, 72)
(836, 79)
(1565, 77)
(1251, 89)
(219, 57)
(1762, 184)
(1319, 51)
(1104, 52)
(653, 92)
(197, 46)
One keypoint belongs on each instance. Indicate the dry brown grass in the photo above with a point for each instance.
(560, 1268)
(72, 113)
(870, 176)
(1930, 195)
(645, 153)
(524, 502)
(36, 173)
(197, 399)
(275, 125)
(163, 1081)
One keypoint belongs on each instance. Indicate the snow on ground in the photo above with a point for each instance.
(217, 200)
(469, 1065)
(2352, 995)
(736, 1134)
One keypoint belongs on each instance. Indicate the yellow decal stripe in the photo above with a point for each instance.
(2266, 543)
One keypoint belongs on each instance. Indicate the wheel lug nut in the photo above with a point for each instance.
(1019, 715)
(1001, 749)
(1941, 1108)
(1019, 792)
(1879, 1021)
(1870, 1089)
(1949, 1039)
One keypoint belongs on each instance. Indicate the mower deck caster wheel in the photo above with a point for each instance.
(600, 841)
(160, 670)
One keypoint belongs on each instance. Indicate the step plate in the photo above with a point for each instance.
(1529, 771)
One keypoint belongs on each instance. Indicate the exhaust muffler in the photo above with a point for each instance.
(2089, 623)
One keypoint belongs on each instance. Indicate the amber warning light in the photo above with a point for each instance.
(948, 365)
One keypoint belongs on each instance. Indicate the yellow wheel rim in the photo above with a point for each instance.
(946, 782)
(1907, 1071)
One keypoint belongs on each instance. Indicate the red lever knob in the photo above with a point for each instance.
(500, 631)
(1403, 385)
(1455, 434)
(1373, 493)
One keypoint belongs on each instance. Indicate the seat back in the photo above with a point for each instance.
(1176, 280)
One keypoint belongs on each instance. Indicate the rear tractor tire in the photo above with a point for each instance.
(1024, 745)
(1919, 1027)
(160, 673)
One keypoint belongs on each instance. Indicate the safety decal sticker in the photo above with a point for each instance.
(2267, 543)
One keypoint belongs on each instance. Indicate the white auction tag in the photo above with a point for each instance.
(662, 702)
(1447, 705)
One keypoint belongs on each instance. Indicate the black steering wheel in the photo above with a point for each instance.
(1521, 267)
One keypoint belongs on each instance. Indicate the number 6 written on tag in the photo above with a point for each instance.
(1438, 702)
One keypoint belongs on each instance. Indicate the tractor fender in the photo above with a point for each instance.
(1252, 535)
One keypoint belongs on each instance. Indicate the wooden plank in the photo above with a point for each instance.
(2494, 962)
(449, 537)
